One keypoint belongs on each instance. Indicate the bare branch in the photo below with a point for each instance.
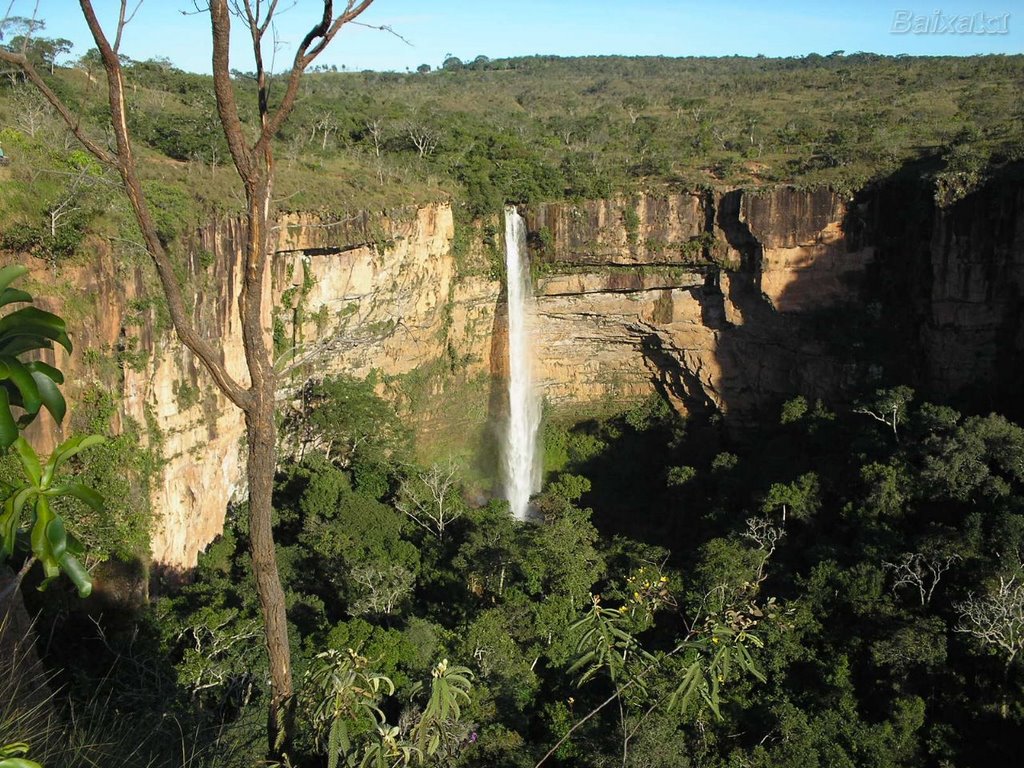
(123, 19)
(12, 586)
(428, 498)
(920, 571)
(383, 28)
(384, 587)
(997, 618)
(766, 535)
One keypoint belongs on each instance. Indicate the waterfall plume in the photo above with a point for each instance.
(522, 471)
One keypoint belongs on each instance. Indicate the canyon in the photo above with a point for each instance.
(721, 300)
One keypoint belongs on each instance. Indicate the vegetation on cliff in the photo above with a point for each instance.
(538, 128)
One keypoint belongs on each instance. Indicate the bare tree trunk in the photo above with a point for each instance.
(260, 431)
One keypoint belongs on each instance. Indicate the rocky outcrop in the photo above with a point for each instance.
(973, 329)
(367, 294)
(709, 309)
(370, 294)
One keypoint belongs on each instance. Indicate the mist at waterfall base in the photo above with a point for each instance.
(521, 471)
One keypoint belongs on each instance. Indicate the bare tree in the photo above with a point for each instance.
(375, 128)
(430, 498)
(253, 158)
(996, 618)
(919, 571)
(384, 588)
(326, 123)
(70, 197)
(423, 136)
(766, 535)
(33, 112)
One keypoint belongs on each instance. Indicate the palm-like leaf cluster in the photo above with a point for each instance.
(28, 385)
(606, 643)
(50, 542)
(712, 661)
(449, 688)
(343, 690)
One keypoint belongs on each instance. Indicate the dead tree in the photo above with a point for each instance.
(996, 618)
(429, 497)
(253, 156)
(919, 571)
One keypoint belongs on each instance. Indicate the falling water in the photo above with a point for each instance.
(522, 471)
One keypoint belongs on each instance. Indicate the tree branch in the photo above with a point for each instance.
(124, 162)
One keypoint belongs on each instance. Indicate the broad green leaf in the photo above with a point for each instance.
(28, 393)
(49, 392)
(38, 366)
(8, 528)
(11, 273)
(79, 491)
(17, 344)
(78, 575)
(56, 537)
(29, 460)
(29, 321)
(40, 544)
(8, 429)
(13, 295)
(19, 499)
(67, 449)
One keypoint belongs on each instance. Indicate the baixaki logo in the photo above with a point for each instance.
(939, 23)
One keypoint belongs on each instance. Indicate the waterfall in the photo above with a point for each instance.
(522, 472)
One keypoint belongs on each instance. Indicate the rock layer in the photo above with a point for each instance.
(712, 316)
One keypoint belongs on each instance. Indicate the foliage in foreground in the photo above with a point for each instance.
(831, 591)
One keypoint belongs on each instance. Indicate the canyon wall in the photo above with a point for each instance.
(721, 300)
(703, 296)
(369, 294)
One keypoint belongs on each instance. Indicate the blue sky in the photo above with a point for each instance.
(467, 28)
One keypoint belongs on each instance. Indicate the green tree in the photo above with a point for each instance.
(888, 406)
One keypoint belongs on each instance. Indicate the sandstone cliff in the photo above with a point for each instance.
(710, 304)
(367, 294)
(722, 300)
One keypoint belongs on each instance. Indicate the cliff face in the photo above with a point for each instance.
(721, 300)
(710, 308)
(365, 294)
(973, 329)
(950, 285)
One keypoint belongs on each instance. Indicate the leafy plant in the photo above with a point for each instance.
(13, 756)
(50, 542)
(33, 384)
(606, 643)
(343, 691)
(712, 662)
(449, 685)
(30, 386)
